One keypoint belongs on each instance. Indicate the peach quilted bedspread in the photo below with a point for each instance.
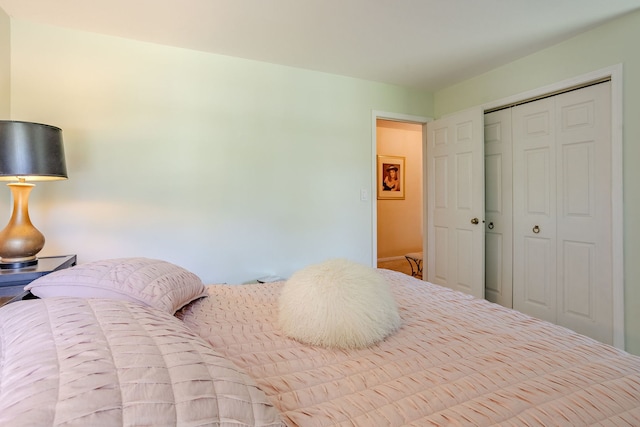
(455, 361)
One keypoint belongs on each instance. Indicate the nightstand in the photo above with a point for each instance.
(12, 281)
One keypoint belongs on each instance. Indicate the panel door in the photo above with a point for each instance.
(498, 207)
(534, 209)
(455, 180)
(585, 302)
(563, 267)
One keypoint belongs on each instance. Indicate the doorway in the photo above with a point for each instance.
(398, 212)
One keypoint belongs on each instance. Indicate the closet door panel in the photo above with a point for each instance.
(537, 186)
(539, 271)
(578, 183)
(584, 211)
(534, 209)
(579, 265)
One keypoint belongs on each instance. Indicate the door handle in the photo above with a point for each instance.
(490, 226)
(475, 221)
(536, 229)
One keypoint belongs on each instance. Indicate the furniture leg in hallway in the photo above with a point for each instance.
(415, 261)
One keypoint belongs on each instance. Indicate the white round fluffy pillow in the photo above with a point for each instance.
(338, 303)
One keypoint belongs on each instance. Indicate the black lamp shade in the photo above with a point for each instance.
(31, 151)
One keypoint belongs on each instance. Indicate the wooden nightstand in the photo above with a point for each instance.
(12, 281)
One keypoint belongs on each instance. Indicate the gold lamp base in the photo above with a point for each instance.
(20, 241)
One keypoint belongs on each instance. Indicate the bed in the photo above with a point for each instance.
(455, 360)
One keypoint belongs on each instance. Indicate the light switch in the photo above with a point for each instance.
(364, 195)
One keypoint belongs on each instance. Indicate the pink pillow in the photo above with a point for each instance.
(152, 282)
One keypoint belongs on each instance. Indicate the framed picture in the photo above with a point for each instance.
(390, 178)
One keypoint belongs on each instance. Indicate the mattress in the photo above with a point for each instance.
(456, 360)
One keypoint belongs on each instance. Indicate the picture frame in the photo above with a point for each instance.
(390, 177)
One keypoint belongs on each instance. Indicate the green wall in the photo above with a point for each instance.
(613, 43)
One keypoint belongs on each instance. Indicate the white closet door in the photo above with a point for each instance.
(534, 209)
(562, 270)
(455, 233)
(498, 207)
(584, 211)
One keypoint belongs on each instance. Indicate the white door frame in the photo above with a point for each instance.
(384, 115)
(615, 74)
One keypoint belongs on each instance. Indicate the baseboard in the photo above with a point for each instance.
(391, 258)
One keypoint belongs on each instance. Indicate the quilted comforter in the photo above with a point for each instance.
(455, 361)
(101, 362)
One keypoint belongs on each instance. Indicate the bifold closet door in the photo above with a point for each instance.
(562, 210)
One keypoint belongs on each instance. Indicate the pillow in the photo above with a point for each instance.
(105, 362)
(337, 303)
(152, 282)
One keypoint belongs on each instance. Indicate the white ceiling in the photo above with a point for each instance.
(425, 44)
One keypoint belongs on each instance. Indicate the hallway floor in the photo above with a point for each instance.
(401, 265)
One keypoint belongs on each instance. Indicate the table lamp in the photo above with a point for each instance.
(28, 152)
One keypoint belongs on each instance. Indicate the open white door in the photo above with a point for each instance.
(455, 209)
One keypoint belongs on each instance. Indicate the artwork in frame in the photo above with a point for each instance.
(390, 183)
